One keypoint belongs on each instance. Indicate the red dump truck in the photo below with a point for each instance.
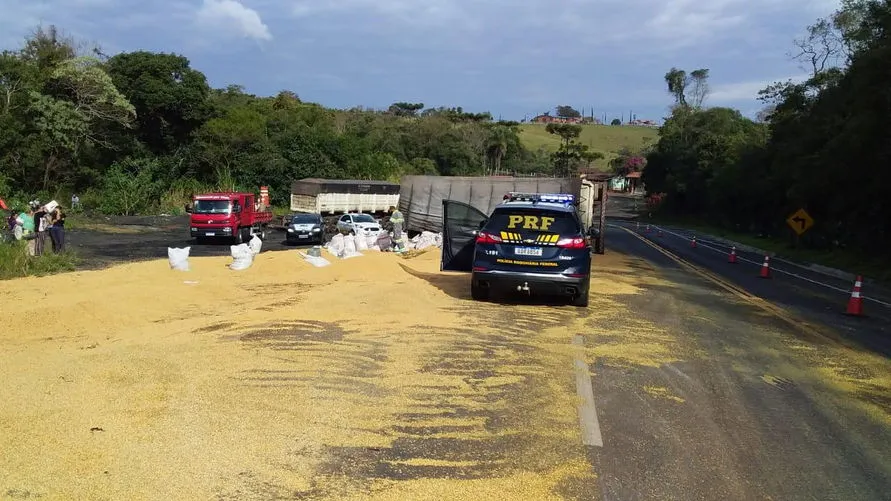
(230, 215)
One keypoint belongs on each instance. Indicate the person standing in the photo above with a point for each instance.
(27, 219)
(75, 201)
(40, 224)
(57, 230)
(398, 221)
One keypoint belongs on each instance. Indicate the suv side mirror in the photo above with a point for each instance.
(483, 223)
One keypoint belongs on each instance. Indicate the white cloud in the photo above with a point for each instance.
(730, 93)
(232, 14)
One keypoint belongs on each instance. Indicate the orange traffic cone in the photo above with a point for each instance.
(855, 304)
(765, 268)
(693, 243)
(732, 258)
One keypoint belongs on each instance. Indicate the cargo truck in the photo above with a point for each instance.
(233, 216)
(341, 196)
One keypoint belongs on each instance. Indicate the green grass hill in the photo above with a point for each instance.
(607, 139)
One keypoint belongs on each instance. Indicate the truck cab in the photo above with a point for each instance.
(230, 215)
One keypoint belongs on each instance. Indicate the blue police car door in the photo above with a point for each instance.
(460, 225)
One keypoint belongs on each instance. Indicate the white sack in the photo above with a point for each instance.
(371, 242)
(349, 247)
(318, 262)
(335, 246)
(242, 257)
(178, 258)
(361, 243)
(255, 244)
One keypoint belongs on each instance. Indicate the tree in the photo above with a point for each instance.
(16, 76)
(823, 47)
(679, 83)
(93, 93)
(496, 147)
(171, 99)
(700, 88)
(565, 111)
(616, 121)
(571, 153)
(404, 109)
(46, 48)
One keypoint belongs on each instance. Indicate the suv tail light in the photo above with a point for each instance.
(572, 243)
(487, 238)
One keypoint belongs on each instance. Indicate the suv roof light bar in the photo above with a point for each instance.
(565, 198)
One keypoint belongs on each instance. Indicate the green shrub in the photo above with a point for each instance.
(16, 263)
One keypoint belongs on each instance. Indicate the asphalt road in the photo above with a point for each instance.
(754, 407)
(814, 297)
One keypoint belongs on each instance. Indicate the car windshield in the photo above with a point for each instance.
(529, 220)
(305, 219)
(363, 218)
(211, 207)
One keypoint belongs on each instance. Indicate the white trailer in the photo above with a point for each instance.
(338, 196)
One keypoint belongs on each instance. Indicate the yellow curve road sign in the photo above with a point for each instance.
(800, 221)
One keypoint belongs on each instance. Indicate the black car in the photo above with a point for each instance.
(306, 229)
(530, 244)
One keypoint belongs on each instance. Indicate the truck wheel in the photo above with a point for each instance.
(478, 293)
(239, 236)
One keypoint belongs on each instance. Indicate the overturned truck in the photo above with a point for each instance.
(337, 196)
(420, 197)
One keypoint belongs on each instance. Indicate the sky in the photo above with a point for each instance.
(515, 59)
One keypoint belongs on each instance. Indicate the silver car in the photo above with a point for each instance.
(359, 224)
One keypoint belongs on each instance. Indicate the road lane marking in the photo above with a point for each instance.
(771, 308)
(588, 422)
(772, 267)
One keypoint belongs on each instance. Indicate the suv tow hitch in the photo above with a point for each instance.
(524, 287)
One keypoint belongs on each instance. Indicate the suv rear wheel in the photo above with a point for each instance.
(479, 293)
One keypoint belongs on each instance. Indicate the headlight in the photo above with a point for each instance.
(227, 230)
(290, 230)
(316, 230)
(194, 228)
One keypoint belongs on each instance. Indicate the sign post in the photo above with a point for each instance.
(800, 221)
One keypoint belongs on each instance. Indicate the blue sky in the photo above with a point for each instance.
(513, 58)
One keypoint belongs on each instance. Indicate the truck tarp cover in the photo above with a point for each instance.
(420, 197)
(315, 186)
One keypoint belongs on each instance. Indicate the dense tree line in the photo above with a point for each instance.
(823, 144)
(140, 131)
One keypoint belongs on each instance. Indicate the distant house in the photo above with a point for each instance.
(548, 119)
(643, 123)
(629, 183)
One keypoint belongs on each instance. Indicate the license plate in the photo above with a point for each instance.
(303, 236)
(528, 251)
(211, 234)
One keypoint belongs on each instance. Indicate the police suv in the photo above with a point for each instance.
(532, 243)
